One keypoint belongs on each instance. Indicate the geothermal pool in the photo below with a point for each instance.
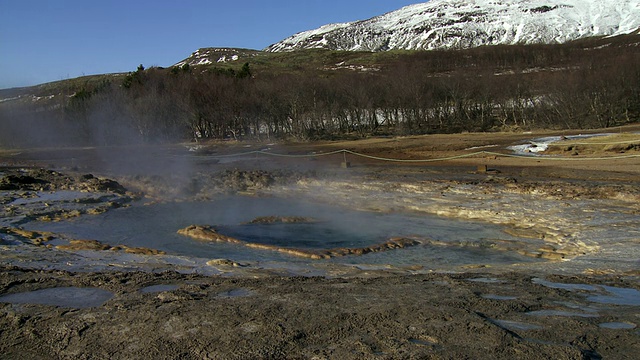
(155, 226)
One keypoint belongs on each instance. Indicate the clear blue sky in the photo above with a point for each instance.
(49, 40)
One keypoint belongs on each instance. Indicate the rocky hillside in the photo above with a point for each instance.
(213, 56)
(457, 24)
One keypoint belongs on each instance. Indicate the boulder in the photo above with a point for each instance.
(75, 245)
(207, 233)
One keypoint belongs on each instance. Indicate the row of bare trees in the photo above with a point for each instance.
(493, 88)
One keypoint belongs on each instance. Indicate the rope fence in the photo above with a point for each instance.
(462, 156)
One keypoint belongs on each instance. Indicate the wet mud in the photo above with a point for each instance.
(370, 316)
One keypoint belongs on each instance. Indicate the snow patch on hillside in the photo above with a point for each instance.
(462, 24)
(209, 56)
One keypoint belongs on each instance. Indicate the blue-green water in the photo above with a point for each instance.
(155, 226)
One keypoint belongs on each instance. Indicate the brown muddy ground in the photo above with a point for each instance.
(433, 316)
(367, 315)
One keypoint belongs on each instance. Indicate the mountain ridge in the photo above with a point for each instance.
(456, 24)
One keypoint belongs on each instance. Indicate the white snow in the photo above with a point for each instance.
(35, 98)
(205, 56)
(10, 99)
(225, 58)
(537, 146)
(204, 61)
(460, 24)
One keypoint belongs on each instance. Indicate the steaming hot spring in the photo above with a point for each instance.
(305, 222)
(240, 230)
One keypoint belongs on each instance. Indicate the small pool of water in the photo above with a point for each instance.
(67, 297)
(561, 313)
(618, 325)
(601, 294)
(422, 342)
(617, 296)
(156, 226)
(516, 325)
(499, 297)
(487, 280)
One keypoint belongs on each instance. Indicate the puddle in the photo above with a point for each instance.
(601, 294)
(68, 297)
(618, 325)
(578, 307)
(498, 297)
(516, 325)
(234, 293)
(421, 342)
(159, 288)
(560, 313)
(487, 280)
(570, 287)
(617, 296)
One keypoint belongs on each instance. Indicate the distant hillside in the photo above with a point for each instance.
(456, 24)
(327, 94)
(218, 56)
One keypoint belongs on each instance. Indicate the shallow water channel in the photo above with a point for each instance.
(155, 226)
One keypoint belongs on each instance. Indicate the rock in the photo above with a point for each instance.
(101, 185)
(34, 237)
(21, 182)
(223, 262)
(84, 245)
(141, 250)
(547, 248)
(42, 180)
(261, 246)
(75, 245)
(97, 210)
(552, 255)
(529, 233)
(300, 253)
(207, 233)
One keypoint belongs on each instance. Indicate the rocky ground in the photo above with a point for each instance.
(527, 312)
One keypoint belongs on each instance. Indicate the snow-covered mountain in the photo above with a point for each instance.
(446, 24)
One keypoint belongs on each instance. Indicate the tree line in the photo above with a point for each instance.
(486, 89)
